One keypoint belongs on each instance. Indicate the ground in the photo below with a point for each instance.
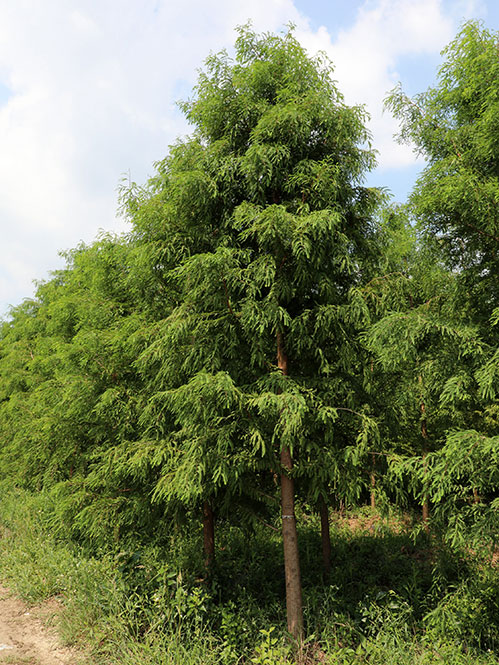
(26, 637)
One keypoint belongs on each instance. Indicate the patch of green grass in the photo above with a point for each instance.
(33, 563)
(394, 596)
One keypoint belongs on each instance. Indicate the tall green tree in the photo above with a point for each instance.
(265, 227)
(425, 353)
(455, 127)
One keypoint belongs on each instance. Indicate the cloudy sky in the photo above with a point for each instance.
(88, 91)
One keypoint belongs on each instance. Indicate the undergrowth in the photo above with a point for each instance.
(394, 595)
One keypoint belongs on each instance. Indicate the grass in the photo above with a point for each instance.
(395, 596)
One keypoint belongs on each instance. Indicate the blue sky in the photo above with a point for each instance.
(88, 91)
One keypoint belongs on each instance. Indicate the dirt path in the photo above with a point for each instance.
(25, 638)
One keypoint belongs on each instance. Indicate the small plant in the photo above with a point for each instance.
(269, 651)
(387, 612)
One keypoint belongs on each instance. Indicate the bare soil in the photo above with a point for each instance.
(26, 637)
(371, 521)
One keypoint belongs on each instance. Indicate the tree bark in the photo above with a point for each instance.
(208, 535)
(325, 539)
(290, 543)
(294, 609)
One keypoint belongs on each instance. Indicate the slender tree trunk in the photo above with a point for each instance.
(476, 496)
(326, 539)
(289, 536)
(208, 535)
(373, 481)
(291, 557)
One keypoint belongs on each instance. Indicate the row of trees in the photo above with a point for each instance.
(270, 325)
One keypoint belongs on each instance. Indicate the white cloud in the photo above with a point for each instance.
(365, 58)
(93, 87)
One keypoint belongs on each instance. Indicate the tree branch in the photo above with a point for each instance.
(227, 297)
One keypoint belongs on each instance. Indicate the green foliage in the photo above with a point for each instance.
(467, 614)
(436, 336)
(142, 381)
(265, 227)
(269, 651)
(454, 125)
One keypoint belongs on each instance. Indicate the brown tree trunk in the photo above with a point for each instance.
(426, 515)
(290, 542)
(289, 536)
(208, 535)
(373, 481)
(326, 539)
